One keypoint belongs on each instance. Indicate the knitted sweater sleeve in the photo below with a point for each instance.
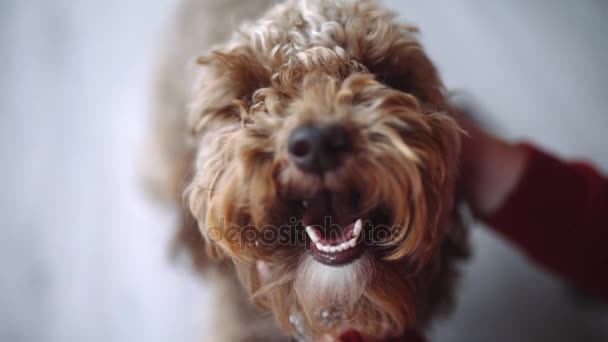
(558, 216)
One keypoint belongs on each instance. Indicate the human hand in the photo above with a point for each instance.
(490, 167)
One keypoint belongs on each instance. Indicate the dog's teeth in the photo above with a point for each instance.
(324, 248)
(352, 242)
(312, 234)
(304, 204)
(357, 229)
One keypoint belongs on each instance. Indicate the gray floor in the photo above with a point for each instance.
(82, 253)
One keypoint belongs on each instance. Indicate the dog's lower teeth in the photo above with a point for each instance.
(338, 248)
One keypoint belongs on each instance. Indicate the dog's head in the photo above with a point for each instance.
(325, 164)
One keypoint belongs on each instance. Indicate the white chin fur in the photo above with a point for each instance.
(330, 285)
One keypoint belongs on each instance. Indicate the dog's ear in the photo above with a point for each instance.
(392, 52)
(407, 68)
(224, 90)
(239, 70)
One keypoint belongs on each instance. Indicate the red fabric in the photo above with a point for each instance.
(558, 215)
(353, 336)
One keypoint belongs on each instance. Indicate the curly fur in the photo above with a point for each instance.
(314, 61)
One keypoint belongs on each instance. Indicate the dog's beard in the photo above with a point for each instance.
(320, 286)
(370, 296)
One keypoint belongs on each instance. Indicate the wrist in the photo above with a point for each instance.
(499, 175)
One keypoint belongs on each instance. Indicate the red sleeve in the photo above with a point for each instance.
(410, 336)
(558, 216)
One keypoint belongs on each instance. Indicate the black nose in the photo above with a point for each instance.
(318, 148)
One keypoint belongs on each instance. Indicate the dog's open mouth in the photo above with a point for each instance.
(334, 228)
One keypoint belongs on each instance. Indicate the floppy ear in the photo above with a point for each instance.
(221, 101)
(408, 69)
(399, 62)
(392, 53)
(227, 82)
(239, 69)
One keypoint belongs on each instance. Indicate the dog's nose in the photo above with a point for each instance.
(318, 148)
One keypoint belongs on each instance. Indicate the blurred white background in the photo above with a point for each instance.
(83, 254)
